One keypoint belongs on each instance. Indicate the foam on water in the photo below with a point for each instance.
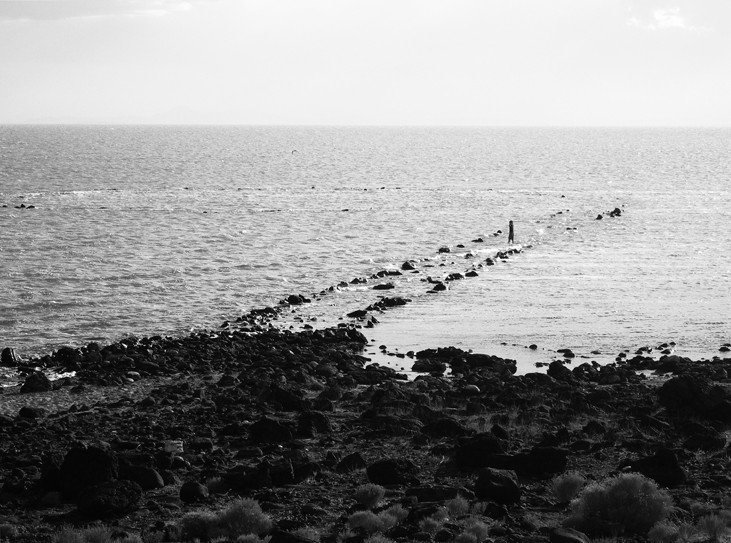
(148, 230)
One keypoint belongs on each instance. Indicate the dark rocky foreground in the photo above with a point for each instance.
(298, 421)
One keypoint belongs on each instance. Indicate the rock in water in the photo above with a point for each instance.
(36, 382)
(8, 358)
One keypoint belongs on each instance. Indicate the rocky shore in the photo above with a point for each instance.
(150, 431)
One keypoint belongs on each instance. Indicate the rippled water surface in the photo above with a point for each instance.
(147, 230)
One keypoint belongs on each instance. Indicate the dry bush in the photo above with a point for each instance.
(458, 507)
(378, 539)
(97, 534)
(367, 521)
(715, 526)
(68, 535)
(392, 516)
(242, 517)
(629, 503)
(567, 486)
(369, 495)
(8, 532)
(308, 532)
(663, 532)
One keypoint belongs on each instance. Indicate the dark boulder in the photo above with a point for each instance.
(36, 382)
(429, 366)
(663, 467)
(445, 427)
(84, 467)
(497, 485)
(67, 357)
(384, 286)
(8, 358)
(352, 462)
(267, 430)
(433, 493)
(311, 423)
(393, 471)
(31, 412)
(113, 498)
(692, 394)
(558, 371)
(148, 478)
(192, 492)
(477, 451)
(568, 535)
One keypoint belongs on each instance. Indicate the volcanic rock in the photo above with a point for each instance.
(392, 471)
(112, 498)
(497, 485)
(36, 382)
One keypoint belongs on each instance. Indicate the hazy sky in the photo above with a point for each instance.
(368, 62)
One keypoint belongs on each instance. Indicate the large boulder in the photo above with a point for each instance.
(497, 485)
(663, 467)
(114, 498)
(84, 467)
(36, 382)
(393, 471)
(267, 430)
(693, 394)
(478, 451)
(8, 358)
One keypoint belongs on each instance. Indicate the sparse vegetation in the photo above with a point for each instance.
(629, 503)
(8, 532)
(366, 521)
(308, 532)
(93, 534)
(369, 495)
(370, 522)
(458, 507)
(715, 526)
(567, 486)
(663, 532)
(242, 517)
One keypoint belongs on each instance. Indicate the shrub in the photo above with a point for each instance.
(628, 503)
(458, 506)
(68, 535)
(715, 526)
(567, 486)
(369, 495)
(197, 525)
(97, 534)
(392, 516)
(8, 531)
(476, 528)
(251, 538)
(241, 518)
(308, 532)
(378, 539)
(366, 521)
(663, 532)
(429, 525)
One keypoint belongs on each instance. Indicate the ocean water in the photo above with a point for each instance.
(164, 230)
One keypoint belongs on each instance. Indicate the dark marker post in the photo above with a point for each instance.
(511, 233)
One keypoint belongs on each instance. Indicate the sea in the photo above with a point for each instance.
(108, 232)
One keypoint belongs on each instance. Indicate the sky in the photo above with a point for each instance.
(367, 62)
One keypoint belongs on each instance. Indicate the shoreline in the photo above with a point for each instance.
(295, 421)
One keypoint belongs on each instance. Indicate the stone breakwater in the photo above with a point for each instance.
(297, 421)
